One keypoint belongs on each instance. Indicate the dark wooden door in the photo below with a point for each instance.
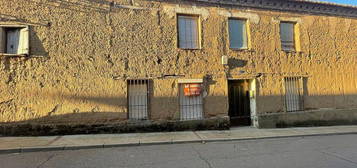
(239, 104)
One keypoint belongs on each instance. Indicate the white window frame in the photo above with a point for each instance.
(24, 40)
(197, 18)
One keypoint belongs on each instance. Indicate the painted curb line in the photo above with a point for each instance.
(79, 147)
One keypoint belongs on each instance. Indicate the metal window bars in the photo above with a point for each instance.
(191, 107)
(293, 93)
(138, 99)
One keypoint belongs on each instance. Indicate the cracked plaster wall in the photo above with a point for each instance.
(83, 50)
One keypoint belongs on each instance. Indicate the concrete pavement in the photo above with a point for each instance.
(71, 142)
(332, 151)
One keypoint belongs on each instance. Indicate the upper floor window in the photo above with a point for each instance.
(188, 32)
(287, 36)
(238, 34)
(14, 40)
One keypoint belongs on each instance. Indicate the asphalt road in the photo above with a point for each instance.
(337, 151)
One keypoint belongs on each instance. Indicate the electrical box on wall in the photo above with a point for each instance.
(224, 60)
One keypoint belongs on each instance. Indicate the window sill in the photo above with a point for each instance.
(190, 48)
(13, 55)
(242, 49)
(291, 51)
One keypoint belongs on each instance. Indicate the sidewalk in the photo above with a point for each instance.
(72, 142)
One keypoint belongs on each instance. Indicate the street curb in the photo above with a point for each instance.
(275, 137)
(9, 151)
(79, 147)
(40, 149)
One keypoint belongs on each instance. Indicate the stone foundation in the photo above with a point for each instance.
(321, 117)
(26, 129)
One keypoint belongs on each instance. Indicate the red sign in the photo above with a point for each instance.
(192, 89)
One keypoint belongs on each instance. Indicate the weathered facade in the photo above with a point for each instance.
(83, 54)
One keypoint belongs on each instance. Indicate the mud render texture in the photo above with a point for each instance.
(83, 52)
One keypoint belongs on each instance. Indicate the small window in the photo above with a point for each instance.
(14, 40)
(238, 34)
(287, 36)
(293, 93)
(191, 101)
(138, 99)
(188, 32)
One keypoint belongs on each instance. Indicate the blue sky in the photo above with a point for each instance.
(348, 2)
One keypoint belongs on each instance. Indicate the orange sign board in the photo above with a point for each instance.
(192, 89)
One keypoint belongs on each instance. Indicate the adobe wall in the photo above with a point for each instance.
(82, 52)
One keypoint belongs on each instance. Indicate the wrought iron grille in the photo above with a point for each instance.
(293, 93)
(138, 99)
(191, 107)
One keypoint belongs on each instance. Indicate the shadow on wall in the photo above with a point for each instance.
(56, 122)
(161, 108)
(236, 63)
(107, 101)
(166, 108)
(37, 50)
(36, 47)
(77, 117)
(60, 113)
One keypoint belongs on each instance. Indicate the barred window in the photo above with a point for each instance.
(138, 99)
(191, 101)
(188, 32)
(293, 93)
(287, 36)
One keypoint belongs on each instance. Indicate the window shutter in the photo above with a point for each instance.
(2, 40)
(24, 48)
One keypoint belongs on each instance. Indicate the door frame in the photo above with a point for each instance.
(252, 98)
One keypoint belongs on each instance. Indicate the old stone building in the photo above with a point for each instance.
(76, 66)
